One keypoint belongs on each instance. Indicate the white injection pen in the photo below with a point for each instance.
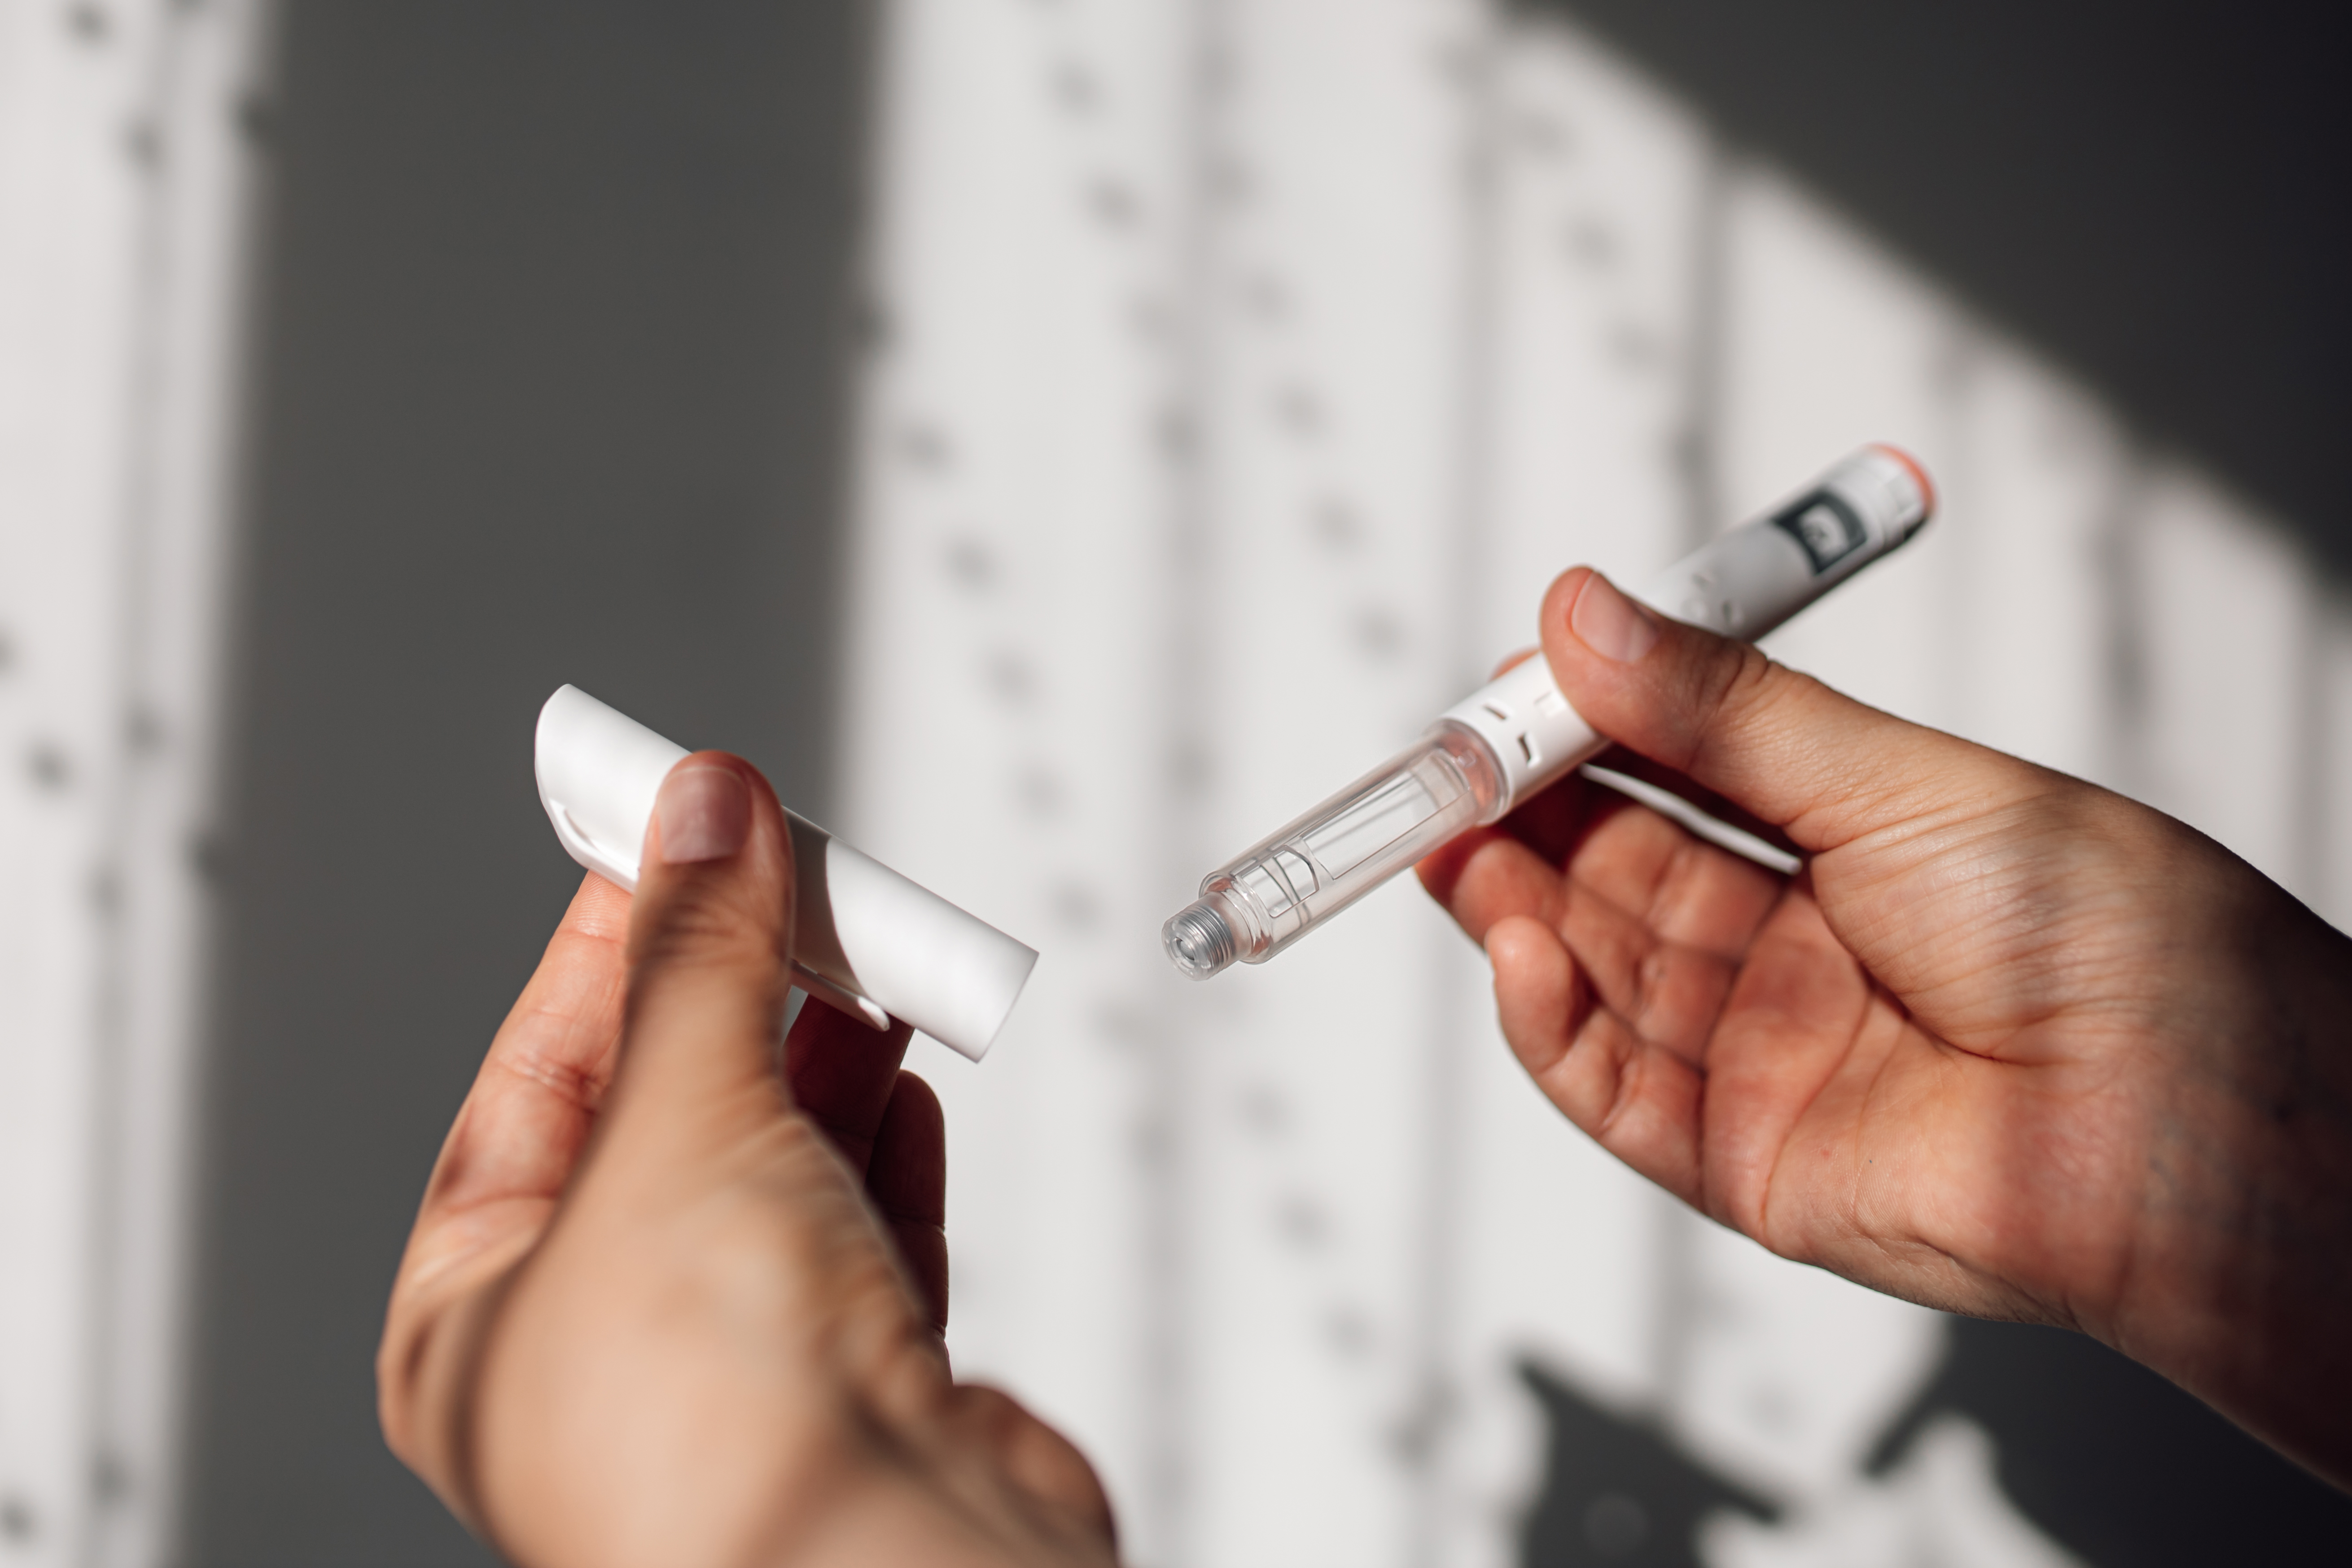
(1517, 734)
(865, 938)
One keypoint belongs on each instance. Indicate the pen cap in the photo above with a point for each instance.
(866, 938)
(599, 771)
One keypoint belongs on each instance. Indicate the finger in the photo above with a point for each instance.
(709, 946)
(1658, 919)
(1658, 923)
(508, 1157)
(1780, 745)
(1040, 1460)
(1673, 885)
(1487, 875)
(907, 1182)
(1639, 1101)
(843, 1074)
(1543, 835)
(528, 1113)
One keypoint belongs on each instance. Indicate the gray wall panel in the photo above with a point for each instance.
(548, 391)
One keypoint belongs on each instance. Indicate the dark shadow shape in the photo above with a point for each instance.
(2155, 193)
(2116, 1464)
(552, 345)
(1616, 1491)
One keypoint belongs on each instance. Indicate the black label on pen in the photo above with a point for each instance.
(1828, 528)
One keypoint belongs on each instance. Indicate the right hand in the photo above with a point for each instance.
(2008, 1045)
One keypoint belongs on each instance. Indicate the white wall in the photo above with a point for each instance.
(123, 204)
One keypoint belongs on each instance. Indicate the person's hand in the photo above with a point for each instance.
(669, 1300)
(2009, 1043)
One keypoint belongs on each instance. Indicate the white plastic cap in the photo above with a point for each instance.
(599, 771)
(863, 938)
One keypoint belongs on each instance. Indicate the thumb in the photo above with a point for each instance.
(1810, 761)
(710, 951)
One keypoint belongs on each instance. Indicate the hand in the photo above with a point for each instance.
(2008, 1045)
(667, 1301)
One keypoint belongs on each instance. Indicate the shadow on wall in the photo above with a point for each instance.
(2044, 1447)
(2154, 194)
(548, 392)
(2114, 1462)
(1618, 1490)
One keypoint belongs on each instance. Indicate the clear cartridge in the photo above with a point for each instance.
(1516, 735)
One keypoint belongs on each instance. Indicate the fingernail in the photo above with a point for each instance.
(1610, 624)
(704, 815)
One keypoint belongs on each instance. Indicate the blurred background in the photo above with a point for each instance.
(1059, 440)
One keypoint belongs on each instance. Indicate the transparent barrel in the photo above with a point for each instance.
(1278, 889)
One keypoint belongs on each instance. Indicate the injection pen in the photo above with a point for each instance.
(1516, 735)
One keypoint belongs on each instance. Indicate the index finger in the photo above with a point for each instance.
(534, 1102)
(502, 1170)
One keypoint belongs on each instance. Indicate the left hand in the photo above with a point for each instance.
(670, 1300)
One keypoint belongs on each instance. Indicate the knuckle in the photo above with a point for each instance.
(1627, 1061)
(1734, 695)
(706, 924)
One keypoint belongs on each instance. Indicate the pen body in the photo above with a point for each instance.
(1517, 734)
